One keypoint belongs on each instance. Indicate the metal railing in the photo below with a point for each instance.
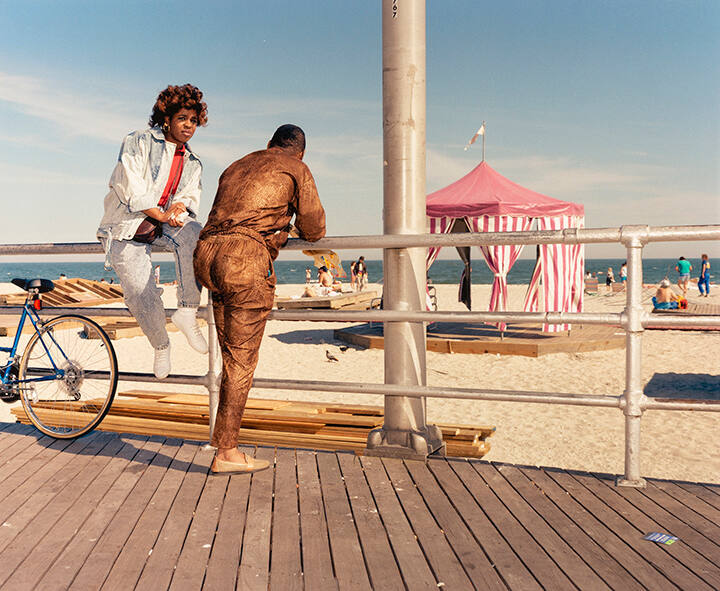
(633, 319)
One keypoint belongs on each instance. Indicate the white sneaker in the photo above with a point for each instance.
(186, 320)
(161, 367)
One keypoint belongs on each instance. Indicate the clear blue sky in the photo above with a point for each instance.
(613, 104)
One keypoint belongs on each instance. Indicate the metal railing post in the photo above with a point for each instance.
(404, 432)
(214, 366)
(633, 395)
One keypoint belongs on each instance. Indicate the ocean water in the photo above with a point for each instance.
(442, 271)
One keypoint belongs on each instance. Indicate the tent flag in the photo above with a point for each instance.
(329, 259)
(474, 138)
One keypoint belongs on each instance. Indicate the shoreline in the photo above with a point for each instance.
(675, 444)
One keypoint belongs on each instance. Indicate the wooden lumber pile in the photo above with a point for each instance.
(265, 422)
(355, 300)
(79, 293)
(72, 292)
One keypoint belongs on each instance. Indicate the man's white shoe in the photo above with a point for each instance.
(186, 320)
(161, 367)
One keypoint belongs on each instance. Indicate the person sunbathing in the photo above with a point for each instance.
(665, 299)
(664, 293)
(328, 284)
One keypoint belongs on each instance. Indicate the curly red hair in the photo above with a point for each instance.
(174, 98)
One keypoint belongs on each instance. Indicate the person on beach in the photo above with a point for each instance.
(249, 222)
(704, 279)
(153, 201)
(623, 272)
(664, 292)
(683, 268)
(665, 299)
(610, 277)
(328, 284)
(358, 274)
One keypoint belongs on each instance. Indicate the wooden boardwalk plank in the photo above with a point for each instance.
(694, 513)
(22, 508)
(161, 563)
(593, 554)
(708, 493)
(625, 556)
(27, 461)
(193, 559)
(562, 553)
(469, 552)
(53, 501)
(528, 550)
(317, 561)
(695, 502)
(224, 559)
(129, 564)
(657, 556)
(382, 568)
(118, 454)
(286, 565)
(11, 434)
(344, 541)
(696, 552)
(254, 570)
(442, 559)
(413, 564)
(124, 512)
(101, 559)
(501, 555)
(74, 554)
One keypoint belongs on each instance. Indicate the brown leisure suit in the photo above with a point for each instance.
(249, 221)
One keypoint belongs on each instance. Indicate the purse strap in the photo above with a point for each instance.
(174, 177)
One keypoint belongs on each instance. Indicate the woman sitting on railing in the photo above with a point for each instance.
(153, 200)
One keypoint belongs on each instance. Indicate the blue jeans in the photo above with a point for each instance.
(706, 282)
(132, 263)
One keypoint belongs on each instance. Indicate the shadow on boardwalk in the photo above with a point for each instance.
(132, 512)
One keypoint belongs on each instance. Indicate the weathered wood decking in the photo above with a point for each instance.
(132, 512)
(526, 340)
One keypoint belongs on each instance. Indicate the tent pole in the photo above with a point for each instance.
(404, 432)
(483, 138)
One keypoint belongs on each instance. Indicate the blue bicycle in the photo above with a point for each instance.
(67, 374)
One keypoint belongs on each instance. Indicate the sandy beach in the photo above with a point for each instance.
(675, 444)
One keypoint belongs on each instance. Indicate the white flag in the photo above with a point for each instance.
(478, 133)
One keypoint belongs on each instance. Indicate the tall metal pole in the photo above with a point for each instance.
(634, 396)
(405, 432)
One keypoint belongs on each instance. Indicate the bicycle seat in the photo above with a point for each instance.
(42, 285)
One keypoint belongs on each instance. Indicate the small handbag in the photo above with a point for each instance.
(148, 231)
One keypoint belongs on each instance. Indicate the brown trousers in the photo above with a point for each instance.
(237, 269)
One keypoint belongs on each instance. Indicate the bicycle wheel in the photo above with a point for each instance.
(68, 376)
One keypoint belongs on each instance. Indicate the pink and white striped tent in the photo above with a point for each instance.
(485, 201)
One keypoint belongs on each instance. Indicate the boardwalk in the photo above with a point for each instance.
(133, 512)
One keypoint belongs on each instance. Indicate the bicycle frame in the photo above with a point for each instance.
(28, 313)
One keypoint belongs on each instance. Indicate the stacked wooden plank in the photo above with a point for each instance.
(311, 425)
(72, 292)
(69, 293)
(79, 293)
(355, 300)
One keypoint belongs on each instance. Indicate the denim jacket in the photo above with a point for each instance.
(138, 181)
